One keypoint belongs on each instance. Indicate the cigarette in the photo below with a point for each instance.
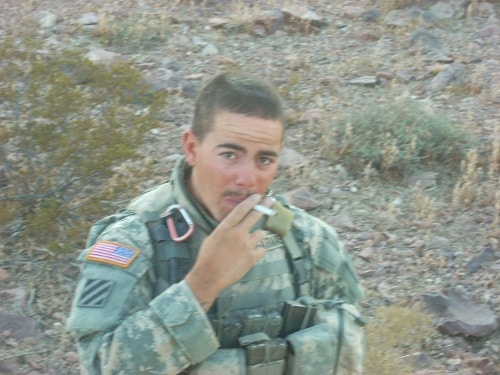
(265, 210)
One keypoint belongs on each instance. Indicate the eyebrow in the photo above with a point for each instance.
(236, 147)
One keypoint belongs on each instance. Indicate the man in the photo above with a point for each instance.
(193, 278)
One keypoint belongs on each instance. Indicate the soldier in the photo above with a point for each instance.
(211, 273)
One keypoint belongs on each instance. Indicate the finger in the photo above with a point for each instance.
(254, 215)
(258, 253)
(257, 236)
(241, 210)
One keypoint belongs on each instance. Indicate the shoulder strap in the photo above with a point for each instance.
(301, 266)
(299, 261)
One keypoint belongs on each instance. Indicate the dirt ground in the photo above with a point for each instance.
(404, 241)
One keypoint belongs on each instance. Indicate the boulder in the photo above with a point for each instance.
(459, 315)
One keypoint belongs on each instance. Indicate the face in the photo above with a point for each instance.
(238, 157)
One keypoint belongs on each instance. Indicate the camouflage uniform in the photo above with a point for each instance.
(125, 325)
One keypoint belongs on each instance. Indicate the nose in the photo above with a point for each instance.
(246, 175)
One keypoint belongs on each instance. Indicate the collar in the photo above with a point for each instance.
(180, 193)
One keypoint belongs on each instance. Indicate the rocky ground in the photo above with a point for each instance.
(327, 58)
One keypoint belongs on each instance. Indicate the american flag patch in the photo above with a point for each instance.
(112, 253)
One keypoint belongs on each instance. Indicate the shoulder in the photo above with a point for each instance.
(151, 204)
(312, 230)
(326, 250)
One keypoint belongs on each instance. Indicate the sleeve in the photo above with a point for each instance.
(120, 327)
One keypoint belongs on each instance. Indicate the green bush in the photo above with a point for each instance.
(394, 138)
(67, 123)
(134, 32)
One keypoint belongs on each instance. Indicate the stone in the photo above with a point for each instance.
(423, 180)
(19, 326)
(268, 22)
(424, 41)
(460, 315)
(439, 243)
(403, 17)
(303, 14)
(485, 258)
(446, 9)
(302, 198)
(102, 56)
(371, 15)
(369, 81)
(343, 222)
(291, 159)
(210, 50)
(454, 75)
(46, 19)
(89, 19)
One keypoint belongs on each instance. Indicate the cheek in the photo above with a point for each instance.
(267, 177)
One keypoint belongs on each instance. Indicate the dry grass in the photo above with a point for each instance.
(393, 336)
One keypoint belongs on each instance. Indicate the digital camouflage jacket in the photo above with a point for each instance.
(125, 324)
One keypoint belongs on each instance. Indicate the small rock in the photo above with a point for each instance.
(424, 41)
(446, 9)
(439, 243)
(403, 17)
(423, 180)
(46, 19)
(89, 19)
(459, 315)
(19, 326)
(369, 81)
(353, 11)
(371, 15)
(4, 275)
(366, 254)
(217, 22)
(486, 256)
(268, 22)
(303, 14)
(342, 221)
(369, 37)
(302, 198)
(454, 75)
(291, 159)
(210, 50)
(102, 56)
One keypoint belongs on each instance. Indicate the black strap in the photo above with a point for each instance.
(172, 259)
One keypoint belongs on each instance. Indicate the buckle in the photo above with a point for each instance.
(169, 212)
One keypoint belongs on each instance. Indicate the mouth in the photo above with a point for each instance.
(234, 199)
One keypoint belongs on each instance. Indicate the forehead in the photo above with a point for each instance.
(238, 124)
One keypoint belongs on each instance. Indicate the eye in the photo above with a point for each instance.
(264, 160)
(229, 155)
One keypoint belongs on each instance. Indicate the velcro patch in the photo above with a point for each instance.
(95, 293)
(113, 253)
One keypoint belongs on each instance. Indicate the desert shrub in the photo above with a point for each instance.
(68, 125)
(393, 336)
(395, 138)
(138, 32)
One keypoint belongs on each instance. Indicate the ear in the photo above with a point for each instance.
(189, 146)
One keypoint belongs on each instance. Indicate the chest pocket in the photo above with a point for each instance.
(268, 283)
(255, 303)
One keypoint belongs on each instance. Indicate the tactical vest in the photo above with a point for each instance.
(255, 303)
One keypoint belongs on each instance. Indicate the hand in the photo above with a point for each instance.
(228, 253)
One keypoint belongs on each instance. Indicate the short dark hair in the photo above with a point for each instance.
(235, 92)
